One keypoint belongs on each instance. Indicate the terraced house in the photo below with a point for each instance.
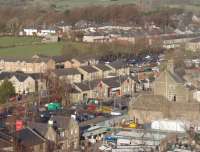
(35, 64)
(24, 83)
(102, 89)
(119, 68)
(70, 75)
(89, 73)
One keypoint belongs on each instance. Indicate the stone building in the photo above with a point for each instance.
(119, 68)
(70, 75)
(147, 108)
(24, 83)
(89, 73)
(36, 64)
(61, 132)
(171, 86)
(28, 139)
(104, 70)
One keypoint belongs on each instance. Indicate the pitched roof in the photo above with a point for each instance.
(150, 102)
(103, 67)
(21, 77)
(5, 75)
(118, 64)
(59, 59)
(176, 77)
(29, 137)
(61, 121)
(27, 60)
(5, 140)
(40, 128)
(196, 40)
(89, 69)
(114, 82)
(83, 86)
(68, 71)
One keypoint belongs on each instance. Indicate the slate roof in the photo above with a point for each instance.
(151, 103)
(176, 77)
(21, 76)
(89, 69)
(197, 40)
(5, 75)
(59, 59)
(118, 64)
(103, 67)
(29, 137)
(82, 86)
(5, 140)
(35, 75)
(114, 82)
(61, 121)
(40, 128)
(27, 60)
(68, 71)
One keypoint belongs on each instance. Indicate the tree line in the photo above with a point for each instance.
(13, 19)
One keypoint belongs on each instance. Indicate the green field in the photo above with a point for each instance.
(8, 41)
(63, 4)
(27, 46)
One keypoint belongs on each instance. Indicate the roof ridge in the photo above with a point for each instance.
(37, 134)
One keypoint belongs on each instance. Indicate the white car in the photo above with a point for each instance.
(116, 113)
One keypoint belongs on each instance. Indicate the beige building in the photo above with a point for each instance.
(89, 73)
(193, 45)
(119, 68)
(81, 92)
(70, 75)
(147, 108)
(35, 64)
(102, 89)
(171, 86)
(61, 131)
(24, 83)
(104, 71)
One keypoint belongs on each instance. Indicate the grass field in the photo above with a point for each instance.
(27, 46)
(64, 4)
(8, 41)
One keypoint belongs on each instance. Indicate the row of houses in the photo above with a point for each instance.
(24, 83)
(92, 72)
(41, 63)
(103, 88)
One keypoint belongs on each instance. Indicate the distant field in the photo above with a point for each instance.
(191, 8)
(63, 4)
(8, 41)
(28, 51)
(27, 47)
